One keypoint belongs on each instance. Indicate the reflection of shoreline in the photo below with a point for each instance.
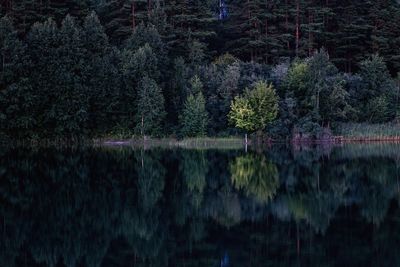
(196, 143)
(54, 200)
(341, 139)
(189, 143)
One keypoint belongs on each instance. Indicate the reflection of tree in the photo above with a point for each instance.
(225, 208)
(91, 207)
(194, 170)
(150, 184)
(257, 176)
(378, 190)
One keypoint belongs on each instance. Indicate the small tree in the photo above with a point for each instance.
(194, 118)
(264, 102)
(150, 107)
(256, 109)
(241, 115)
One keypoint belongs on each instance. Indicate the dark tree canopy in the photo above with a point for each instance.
(90, 68)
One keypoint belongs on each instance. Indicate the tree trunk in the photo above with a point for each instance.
(297, 27)
(142, 128)
(148, 8)
(310, 36)
(133, 16)
(245, 142)
(287, 23)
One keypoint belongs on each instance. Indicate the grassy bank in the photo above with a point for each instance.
(188, 143)
(363, 132)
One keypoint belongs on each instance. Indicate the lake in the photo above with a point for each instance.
(281, 206)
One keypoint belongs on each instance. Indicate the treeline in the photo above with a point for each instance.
(154, 68)
(263, 31)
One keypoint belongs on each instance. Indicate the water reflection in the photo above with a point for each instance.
(287, 206)
(256, 176)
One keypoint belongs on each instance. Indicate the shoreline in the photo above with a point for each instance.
(201, 142)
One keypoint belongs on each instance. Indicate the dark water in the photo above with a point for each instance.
(300, 206)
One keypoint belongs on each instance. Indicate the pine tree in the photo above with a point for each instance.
(378, 89)
(16, 95)
(70, 106)
(99, 74)
(18, 115)
(121, 17)
(12, 54)
(384, 17)
(352, 41)
(43, 42)
(219, 102)
(194, 118)
(176, 93)
(149, 36)
(192, 20)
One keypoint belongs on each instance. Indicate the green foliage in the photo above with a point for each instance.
(264, 102)
(296, 77)
(256, 109)
(378, 99)
(242, 114)
(196, 86)
(367, 130)
(148, 35)
(150, 108)
(139, 63)
(67, 75)
(256, 176)
(378, 109)
(194, 118)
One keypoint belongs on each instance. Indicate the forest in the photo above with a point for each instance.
(190, 68)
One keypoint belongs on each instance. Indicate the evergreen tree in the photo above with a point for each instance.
(177, 93)
(320, 81)
(100, 74)
(148, 35)
(378, 89)
(12, 54)
(18, 115)
(150, 108)
(190, 21)
(139, 63)
(221, 100)
(69, 110)
(194, 118)
(43, 42)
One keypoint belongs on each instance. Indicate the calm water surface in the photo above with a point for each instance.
(284, 206)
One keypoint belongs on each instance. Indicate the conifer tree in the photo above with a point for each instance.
(194, 118)
(12, 54)
(70, 105)
(150, 110)
(379, 90)
(190, 21)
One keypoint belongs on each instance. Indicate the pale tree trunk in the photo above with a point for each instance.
(148, 8)
(133, 16)
(287, 22)
(297, 27)
(142, 131)
(245, 142)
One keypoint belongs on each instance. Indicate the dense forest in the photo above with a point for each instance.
(195, 68)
